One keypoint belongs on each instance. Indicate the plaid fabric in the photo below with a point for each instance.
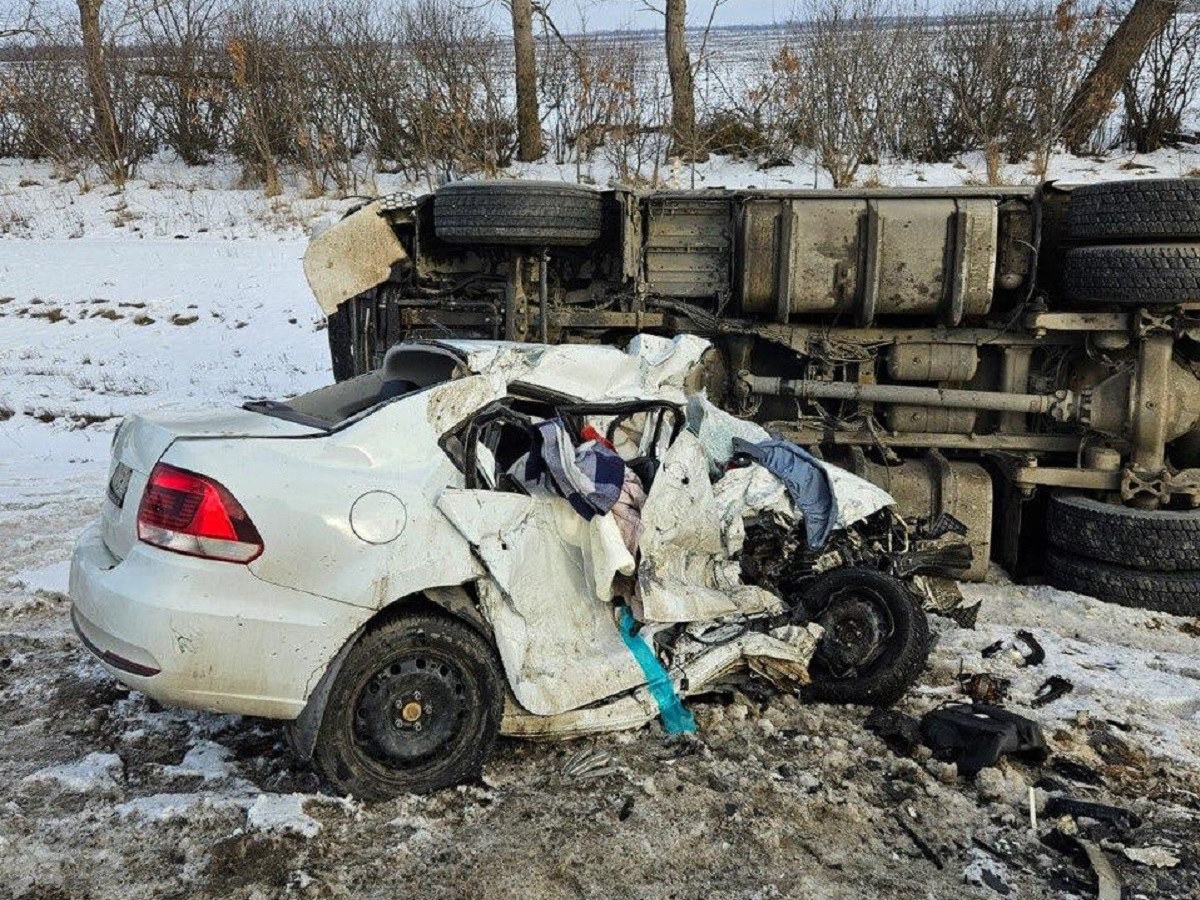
(589, 476)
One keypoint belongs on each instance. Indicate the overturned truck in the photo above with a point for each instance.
(1023, 359)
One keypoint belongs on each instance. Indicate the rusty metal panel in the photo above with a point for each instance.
(933, 362)
(759, 241)
(688, 248)
(825, 254)
(872, 255)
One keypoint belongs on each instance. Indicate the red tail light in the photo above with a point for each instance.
(192, 514)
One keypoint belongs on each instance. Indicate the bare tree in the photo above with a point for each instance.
(186, 75)
(1092, 101)
(529, 126)
(838, 76)
(107, 132)
(683, 90)
(1161, 84)
(17, 18)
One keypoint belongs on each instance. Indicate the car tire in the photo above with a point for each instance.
(517, 213)
(1153, 209)
(417, 668)
(1156, 540)
(1177, 593)
(885, 678)
(1133, 275)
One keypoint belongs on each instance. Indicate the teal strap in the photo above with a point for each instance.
(675, 719)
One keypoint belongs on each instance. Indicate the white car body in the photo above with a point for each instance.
(353, 518)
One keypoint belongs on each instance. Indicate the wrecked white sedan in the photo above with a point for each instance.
(485, 538)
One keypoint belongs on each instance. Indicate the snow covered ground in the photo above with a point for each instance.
(185, 291)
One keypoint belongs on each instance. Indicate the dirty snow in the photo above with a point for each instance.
(104, 793)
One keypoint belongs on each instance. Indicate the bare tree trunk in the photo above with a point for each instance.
(679, 70)
(529, 127)
(1146, 18)
(107, 132)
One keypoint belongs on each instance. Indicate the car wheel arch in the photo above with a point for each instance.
(458, 602)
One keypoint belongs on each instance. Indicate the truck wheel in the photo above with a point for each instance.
(1177, 593)
(520, 213)
(415, 707)
(1157, 208)
(1157, 540)
(876, 638)
(1133, 275)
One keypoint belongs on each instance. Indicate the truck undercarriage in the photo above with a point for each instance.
(963, 348)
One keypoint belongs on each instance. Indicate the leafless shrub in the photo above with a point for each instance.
(1162, 84)
(840, 78)
(638, 139)
(463, 118)
(42, 113)
(186, 76)
(1010, 68)
(261, 41)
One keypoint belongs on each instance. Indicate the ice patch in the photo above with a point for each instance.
(281, 814)
(52, 578)
(207, 759)
(96, 772)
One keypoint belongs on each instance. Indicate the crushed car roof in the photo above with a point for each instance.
(651, 367)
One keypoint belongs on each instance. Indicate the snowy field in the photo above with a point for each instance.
(184, 291)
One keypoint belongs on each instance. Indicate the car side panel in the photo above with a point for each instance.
(350, 516)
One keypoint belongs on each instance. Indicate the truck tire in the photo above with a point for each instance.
(1177, 593)
(1154, 209)
(836, 601)
(517, 213)
(1155, 540)
(416, 707)
(1133, 275)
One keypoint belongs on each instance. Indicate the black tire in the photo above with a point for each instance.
(368, 746)
(884, 678)
(1134, 275)
(1154, 209)
(520, 213)
(1157, 540)
(1177, 593)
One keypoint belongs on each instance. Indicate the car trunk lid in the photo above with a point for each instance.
(141, 441)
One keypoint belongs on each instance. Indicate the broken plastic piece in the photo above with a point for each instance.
(1108, 885)
(675, 719)
(975, 737)
(1076, 771)
(1101, 812)
(1051, 689)
(1036, 655)
(589, 763)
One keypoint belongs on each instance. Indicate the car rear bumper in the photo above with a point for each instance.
(203, 634)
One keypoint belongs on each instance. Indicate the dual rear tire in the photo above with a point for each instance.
(1149, 559)
(1139, 243)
